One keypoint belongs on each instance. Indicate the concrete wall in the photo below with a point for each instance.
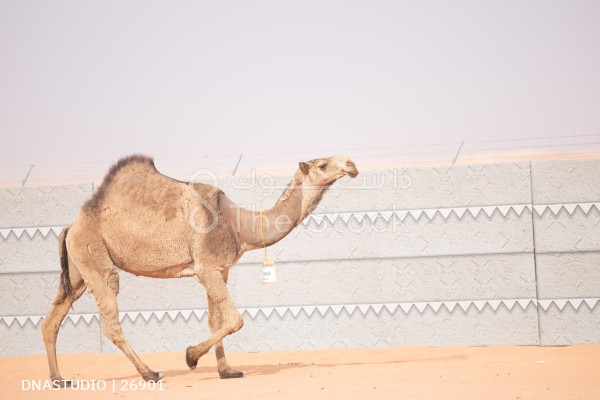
(465, 255)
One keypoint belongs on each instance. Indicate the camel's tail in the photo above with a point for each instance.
(65, 281)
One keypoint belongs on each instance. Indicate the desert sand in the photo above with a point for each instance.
(497, 372)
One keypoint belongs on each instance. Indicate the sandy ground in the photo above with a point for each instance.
(500, 372)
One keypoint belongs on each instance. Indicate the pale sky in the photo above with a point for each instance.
(93, 81)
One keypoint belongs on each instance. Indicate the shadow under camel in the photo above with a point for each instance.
(272, 369)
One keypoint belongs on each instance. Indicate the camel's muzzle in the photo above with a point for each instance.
(351, 169)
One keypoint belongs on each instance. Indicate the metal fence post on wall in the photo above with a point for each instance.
(237, 164)
(458, 152)
(27, 175)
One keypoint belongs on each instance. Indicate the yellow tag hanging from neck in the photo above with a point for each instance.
(268, 268)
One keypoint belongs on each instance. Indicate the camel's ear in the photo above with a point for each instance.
(303, 167)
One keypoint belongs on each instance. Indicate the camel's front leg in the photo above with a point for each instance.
(231, 319)
(215, 321)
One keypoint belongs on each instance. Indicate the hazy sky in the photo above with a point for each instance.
(92, 81)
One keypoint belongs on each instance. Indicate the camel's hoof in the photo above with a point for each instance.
(231, 374)
(153, 377)
(189, 360)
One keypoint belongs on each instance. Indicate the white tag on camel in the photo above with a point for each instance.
(268, 271)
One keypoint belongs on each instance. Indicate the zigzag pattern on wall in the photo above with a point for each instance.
(406, 307)
(371, 216)
(31, 232)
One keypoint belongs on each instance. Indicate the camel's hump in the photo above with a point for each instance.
(132, 159)
(94, 202)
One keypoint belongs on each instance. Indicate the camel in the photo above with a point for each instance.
(148, 224)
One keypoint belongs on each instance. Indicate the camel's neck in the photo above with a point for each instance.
(293, 206)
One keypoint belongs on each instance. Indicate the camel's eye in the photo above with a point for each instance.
(322, 167)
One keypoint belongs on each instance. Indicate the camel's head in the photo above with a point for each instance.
(325, 171)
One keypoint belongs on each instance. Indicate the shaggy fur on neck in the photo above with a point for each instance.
(311, 196)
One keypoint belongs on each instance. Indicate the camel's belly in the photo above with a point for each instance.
(144, 250)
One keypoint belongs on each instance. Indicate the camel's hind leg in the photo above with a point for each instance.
(106, 297)
(102, 279)
(54, 319)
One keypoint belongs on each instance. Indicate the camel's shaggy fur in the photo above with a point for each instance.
(149, 224)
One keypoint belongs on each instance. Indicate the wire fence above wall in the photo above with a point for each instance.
(460, 152)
